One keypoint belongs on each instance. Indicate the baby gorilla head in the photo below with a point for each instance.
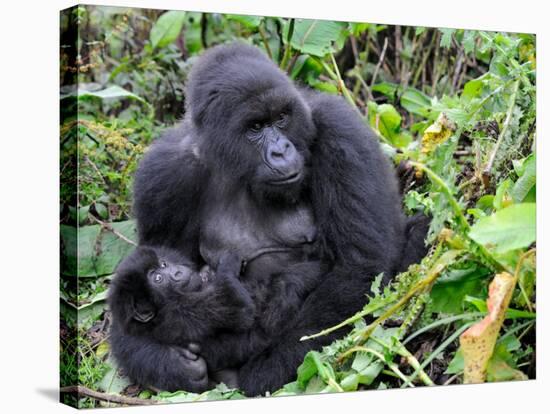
(149, 278)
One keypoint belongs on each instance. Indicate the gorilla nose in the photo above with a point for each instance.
(179, 276)
(281, 153)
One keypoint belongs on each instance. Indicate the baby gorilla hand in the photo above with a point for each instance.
(191, 368)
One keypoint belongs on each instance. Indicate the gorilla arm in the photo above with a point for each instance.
(167, 192)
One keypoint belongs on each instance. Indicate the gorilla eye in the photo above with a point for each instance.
(282, 116)
(162, 264)
(256, 126)
(157, 277)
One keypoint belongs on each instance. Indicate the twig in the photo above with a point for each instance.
(101, 396)
(107, 226)
(488, 168)
(265, 42)
(94, 167)
(380, 60)
(341, 83)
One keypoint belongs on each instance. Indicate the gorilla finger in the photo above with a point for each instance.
(194, 347)
(187, 354)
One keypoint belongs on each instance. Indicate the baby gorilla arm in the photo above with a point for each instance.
(221, 304)
(166, 367)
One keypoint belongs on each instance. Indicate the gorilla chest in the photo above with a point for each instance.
(263, 237)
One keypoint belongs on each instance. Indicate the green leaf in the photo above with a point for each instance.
(167, 28)
(502, 195)
(69, 248)
(316, 37)
(306, 370)
(457, 363)
(416, 102)
(450, 289)
(111, 92)
(386, 88)
(251, 22)
(101, 210)
(447, 37)
(99, 250)
(83, 214)
(469, 41)
(387, 121)
(472, 89)
(508, 229)
(112, 382)
(527, 180)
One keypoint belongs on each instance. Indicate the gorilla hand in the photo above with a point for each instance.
(191, 366)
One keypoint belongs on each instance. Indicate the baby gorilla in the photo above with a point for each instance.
(158, 294)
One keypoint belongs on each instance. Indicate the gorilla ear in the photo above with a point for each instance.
(143, 310)
(201, 105)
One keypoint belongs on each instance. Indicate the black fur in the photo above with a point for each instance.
(179, 313)
(210, 185)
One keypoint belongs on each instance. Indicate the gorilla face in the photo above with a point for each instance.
(164, 277)
(253, 123)
(150, 277)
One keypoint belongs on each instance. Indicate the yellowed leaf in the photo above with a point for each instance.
(102, 349)
(478, 342)
(437, 133)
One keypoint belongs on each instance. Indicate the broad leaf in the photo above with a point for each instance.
(449, 290)
(416, 102)
(251, 22)
(526, 181)
(167, 28)
(99, 250)
(508, 229)
(316, 37)
(478, 342)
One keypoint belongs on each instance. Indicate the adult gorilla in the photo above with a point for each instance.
(283, 177)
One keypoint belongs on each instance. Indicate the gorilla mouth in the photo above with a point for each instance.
(288, 179)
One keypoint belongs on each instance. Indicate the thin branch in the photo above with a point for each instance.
(101, 396)
(265, 42)
(380, 60)
(107, 226)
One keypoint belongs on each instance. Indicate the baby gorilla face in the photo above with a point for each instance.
(169, 277)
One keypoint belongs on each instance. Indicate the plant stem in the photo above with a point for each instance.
(392, 365)
(288, 48)
(438, 350)
(433, 274)
(488, 168)
(341, 84)
(444, 321)
(265, 42)
(380, 60)
(447, 191)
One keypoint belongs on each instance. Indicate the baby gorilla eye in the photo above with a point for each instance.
(163, 264)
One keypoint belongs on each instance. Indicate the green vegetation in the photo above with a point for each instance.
(454, 109)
